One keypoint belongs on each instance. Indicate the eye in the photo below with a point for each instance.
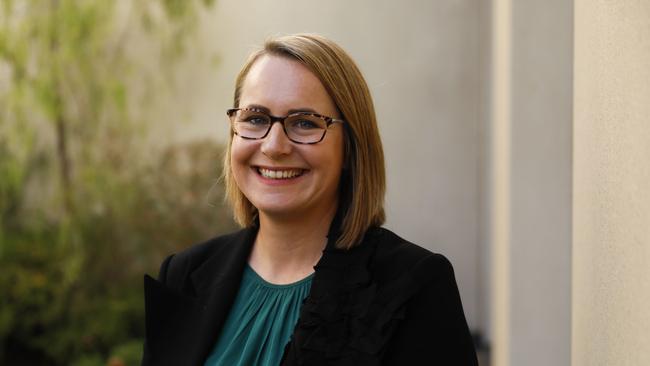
(305, 124)
(257, 120)
(254, 118)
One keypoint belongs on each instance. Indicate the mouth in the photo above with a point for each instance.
(279, 173)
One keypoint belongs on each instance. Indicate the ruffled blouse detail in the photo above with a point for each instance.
(347, 318)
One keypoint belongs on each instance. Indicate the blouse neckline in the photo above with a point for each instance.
(254, 276)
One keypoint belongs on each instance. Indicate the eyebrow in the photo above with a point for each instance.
(290, 111)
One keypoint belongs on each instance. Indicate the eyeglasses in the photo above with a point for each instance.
(300, 127)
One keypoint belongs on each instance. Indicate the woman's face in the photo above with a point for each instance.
(279, 177)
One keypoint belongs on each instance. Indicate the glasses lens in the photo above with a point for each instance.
(305, 127)
(251, 124)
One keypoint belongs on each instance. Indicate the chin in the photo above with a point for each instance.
(275, 208)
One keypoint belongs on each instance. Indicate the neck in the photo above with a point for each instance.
(287, 248)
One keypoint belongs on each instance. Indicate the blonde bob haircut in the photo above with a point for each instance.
(363, 180)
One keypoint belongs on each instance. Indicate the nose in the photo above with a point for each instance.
(276, 143)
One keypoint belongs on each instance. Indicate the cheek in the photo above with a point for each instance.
(239, 156)
(239, 152)
(338, 152)
(332, 160)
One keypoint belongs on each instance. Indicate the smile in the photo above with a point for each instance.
(280, 174)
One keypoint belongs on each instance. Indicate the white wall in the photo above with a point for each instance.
(541, 135)
(530, 180)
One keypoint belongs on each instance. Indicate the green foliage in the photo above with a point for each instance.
(74, 290)
(129, 353)
(84, 212)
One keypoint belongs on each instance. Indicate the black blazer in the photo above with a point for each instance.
(384, 302)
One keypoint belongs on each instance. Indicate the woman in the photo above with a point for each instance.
(312, 279)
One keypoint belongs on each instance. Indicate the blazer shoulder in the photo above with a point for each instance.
(176, 268)
(396, 255)
(434, 322)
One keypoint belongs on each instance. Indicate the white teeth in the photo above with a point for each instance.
(279, 174)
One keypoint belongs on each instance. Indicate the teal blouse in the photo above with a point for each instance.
(260, 322)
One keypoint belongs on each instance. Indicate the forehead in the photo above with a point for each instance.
(281, 84)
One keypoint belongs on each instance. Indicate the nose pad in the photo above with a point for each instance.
(276, 143)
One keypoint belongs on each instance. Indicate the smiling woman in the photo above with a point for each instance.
(312, 278)
(282, 86)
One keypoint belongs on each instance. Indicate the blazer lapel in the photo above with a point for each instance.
(182, 329)
(217, 282)
(171, 319)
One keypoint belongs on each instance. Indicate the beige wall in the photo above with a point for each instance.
(570, 184)
(611, 204)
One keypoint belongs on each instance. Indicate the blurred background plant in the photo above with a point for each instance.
(88, 201)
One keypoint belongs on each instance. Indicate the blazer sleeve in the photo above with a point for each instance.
(434, 331)
(162, 277)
